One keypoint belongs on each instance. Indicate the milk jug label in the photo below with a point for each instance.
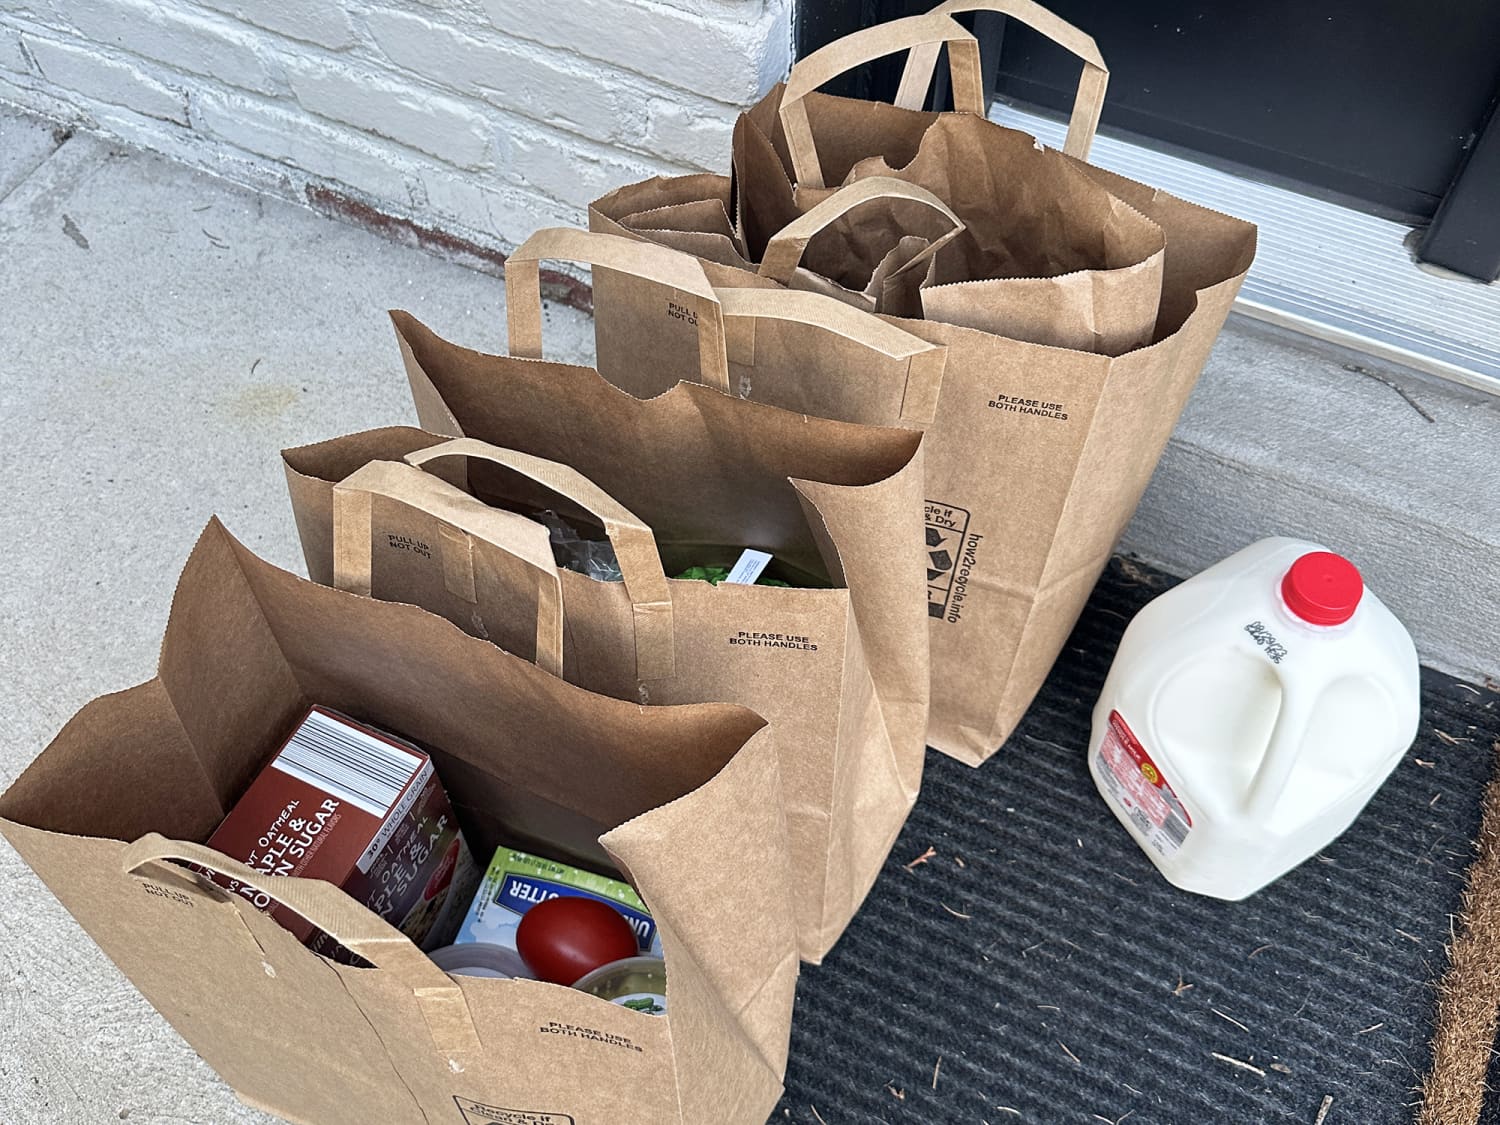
(1138, 787)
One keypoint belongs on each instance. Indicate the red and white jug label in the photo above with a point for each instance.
(1140, 789)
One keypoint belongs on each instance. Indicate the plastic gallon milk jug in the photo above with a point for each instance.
(1250, 713)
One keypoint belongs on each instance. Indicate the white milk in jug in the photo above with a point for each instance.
(1250, 714)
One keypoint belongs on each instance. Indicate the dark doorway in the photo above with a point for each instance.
(1381, 104)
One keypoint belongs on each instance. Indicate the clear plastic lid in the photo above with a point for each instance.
(480, 959)
(639, 983)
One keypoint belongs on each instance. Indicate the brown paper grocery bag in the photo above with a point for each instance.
(1037, 454)
(1046, 255)
(379, 524)
(686, 798)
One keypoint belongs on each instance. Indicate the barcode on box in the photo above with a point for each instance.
(347, 763)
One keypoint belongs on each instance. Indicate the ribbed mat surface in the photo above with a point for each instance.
(1037, 968)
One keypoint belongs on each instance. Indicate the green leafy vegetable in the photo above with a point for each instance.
(716, 574)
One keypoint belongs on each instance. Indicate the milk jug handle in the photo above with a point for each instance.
(1298, 702)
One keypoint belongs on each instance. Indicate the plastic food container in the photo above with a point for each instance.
(479, 959)
(638, 983)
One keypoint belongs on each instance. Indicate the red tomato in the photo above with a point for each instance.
(564, 939)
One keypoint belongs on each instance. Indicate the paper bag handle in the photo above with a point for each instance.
(908, 34)
(1088, 102)
(523, 538)
(784, 252)
(648, 260)
(356, 928)
(634, 544)
(925, 362)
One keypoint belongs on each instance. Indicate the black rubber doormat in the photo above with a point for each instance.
(1020, 960)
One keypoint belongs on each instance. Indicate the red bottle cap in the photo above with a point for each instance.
(1322, 588)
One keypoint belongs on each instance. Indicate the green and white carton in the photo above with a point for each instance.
(516, 881)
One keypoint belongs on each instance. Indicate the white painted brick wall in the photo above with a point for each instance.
(321, 22)
(483, 119)
(78, 67)
(209, 47)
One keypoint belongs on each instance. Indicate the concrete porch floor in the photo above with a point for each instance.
(165, 333)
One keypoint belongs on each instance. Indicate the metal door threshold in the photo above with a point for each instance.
(1325, 270)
